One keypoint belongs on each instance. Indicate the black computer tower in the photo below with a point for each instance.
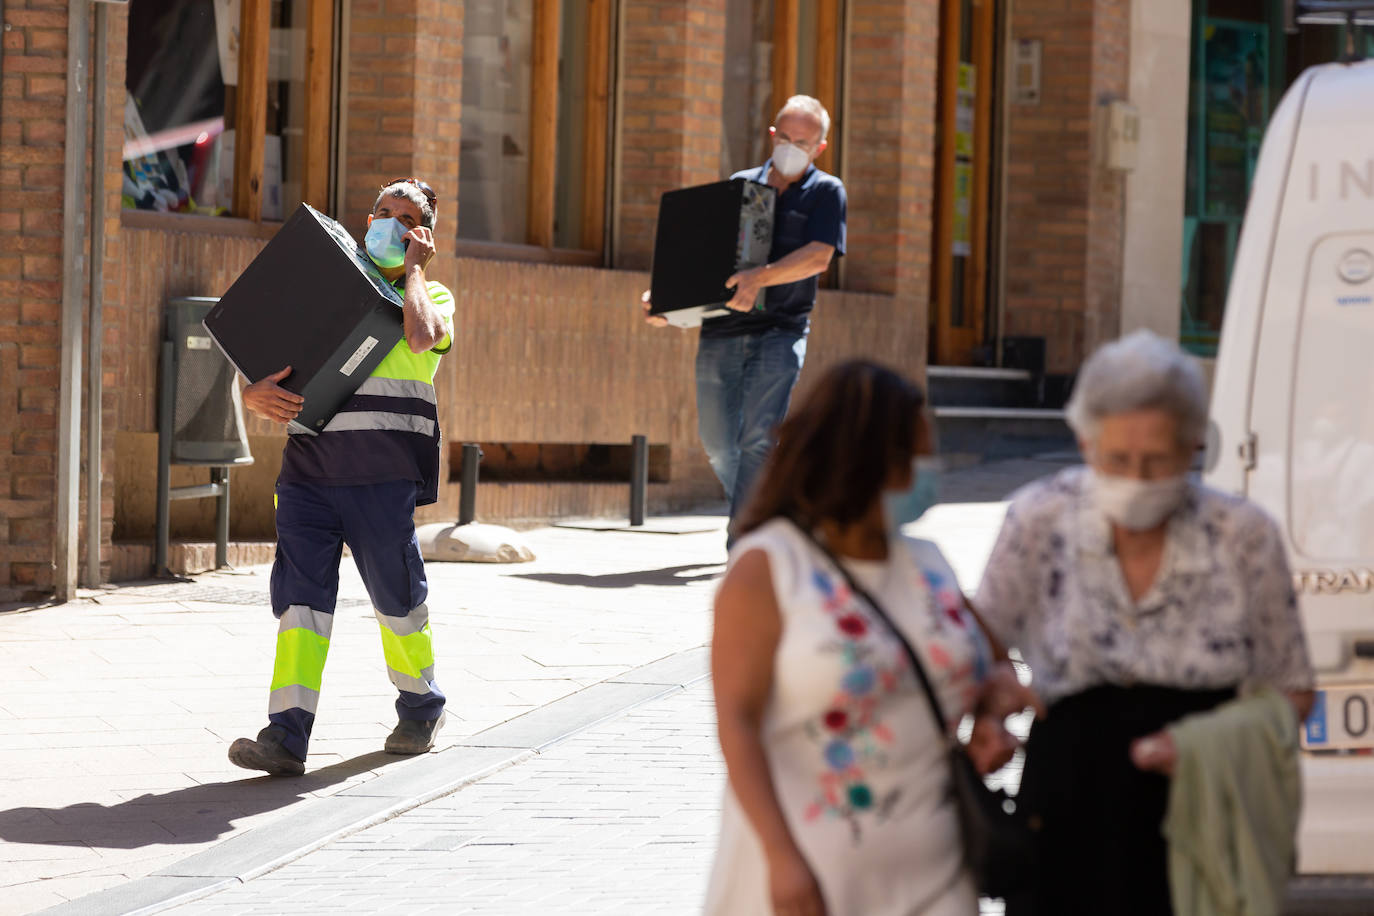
(705, 234)
(312, 300)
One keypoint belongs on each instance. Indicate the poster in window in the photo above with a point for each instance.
(285, 54)
(963, 196)
(227, 32)
(1235, 68)
(963, 111)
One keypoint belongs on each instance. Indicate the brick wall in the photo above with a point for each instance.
(1064, 211)
(672, 76)
(889, 163)
(34, 87)
(404, 95)
(32, 150)
(1107, 194)
(32, 105)
(1048, 165)
(544, 354)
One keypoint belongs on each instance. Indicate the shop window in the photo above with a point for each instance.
(776, 49)
(229, 106)
(1243, 60)
(536, 88)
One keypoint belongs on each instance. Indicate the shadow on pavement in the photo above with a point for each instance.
(198, 814)
(671, 575)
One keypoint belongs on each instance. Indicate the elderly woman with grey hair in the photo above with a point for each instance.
(1137, 596)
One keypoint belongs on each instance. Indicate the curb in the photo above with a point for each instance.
(254, 853)
(1330, 895)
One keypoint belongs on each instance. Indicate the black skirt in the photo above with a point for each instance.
(1096, 817)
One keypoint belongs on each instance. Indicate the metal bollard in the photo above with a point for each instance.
(166, 404)
(467, 496)
(639, 478)
(220, 477)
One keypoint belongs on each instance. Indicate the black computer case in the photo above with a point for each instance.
(706, 233)
(312, 300)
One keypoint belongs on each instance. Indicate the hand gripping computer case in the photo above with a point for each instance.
(312, 300)
(705, 234)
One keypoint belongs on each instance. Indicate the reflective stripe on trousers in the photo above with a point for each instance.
(302, 646)
(408, 646)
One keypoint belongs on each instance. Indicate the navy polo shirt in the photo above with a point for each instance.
(812, 209)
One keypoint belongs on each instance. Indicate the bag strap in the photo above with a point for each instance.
(882, 615)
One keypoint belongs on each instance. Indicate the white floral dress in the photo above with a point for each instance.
(856, 760)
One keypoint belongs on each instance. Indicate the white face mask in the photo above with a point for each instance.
(790, 160)
(1137, 505)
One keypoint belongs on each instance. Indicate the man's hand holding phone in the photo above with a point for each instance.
(419, 245)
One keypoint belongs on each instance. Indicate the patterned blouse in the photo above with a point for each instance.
(1222, 611)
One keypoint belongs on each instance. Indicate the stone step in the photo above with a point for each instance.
(967, 386)
(993, 433)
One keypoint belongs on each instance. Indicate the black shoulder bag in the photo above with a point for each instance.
(997, 842)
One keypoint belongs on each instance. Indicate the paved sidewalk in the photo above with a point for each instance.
(116, 710)
(621, 818)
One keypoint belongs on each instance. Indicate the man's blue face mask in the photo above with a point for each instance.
(906, 506)
(385, 242)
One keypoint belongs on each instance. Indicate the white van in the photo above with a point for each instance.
(1293, 422)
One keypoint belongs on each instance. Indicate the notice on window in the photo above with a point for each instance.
(227, 14)
(963, 111)
(286, 47)
(963, 197)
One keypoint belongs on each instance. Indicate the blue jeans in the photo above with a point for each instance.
(744, 385)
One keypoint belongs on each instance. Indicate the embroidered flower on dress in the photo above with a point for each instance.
(851, 739)
(852, 625)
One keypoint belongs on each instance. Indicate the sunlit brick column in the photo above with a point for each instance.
(404, 101)
(1065, 211)
(672, 66)
(889, 156)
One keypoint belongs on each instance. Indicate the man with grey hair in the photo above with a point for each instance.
(748, 361)
(357, 483)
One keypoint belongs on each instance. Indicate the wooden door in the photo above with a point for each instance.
(963, 180)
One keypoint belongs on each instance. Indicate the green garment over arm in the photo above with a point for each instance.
(1233, 808)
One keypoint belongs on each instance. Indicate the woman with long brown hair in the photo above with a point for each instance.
(838, 799)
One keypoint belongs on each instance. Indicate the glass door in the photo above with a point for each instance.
(963, 198)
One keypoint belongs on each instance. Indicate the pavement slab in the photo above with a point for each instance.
(118, 707)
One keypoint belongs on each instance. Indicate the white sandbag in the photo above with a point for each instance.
(472, 543)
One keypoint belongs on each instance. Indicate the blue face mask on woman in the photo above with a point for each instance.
(385, 242)
(906, 506)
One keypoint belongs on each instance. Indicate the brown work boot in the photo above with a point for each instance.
(266, 753)
(411, 736)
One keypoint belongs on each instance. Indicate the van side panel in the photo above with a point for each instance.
(1250, 278)
(1331, 448)
(1309, 397)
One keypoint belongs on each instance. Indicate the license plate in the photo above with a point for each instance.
(1342, 717)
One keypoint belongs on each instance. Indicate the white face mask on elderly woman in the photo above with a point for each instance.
(1134, 504)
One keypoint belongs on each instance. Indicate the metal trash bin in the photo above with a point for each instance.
(200, 420)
